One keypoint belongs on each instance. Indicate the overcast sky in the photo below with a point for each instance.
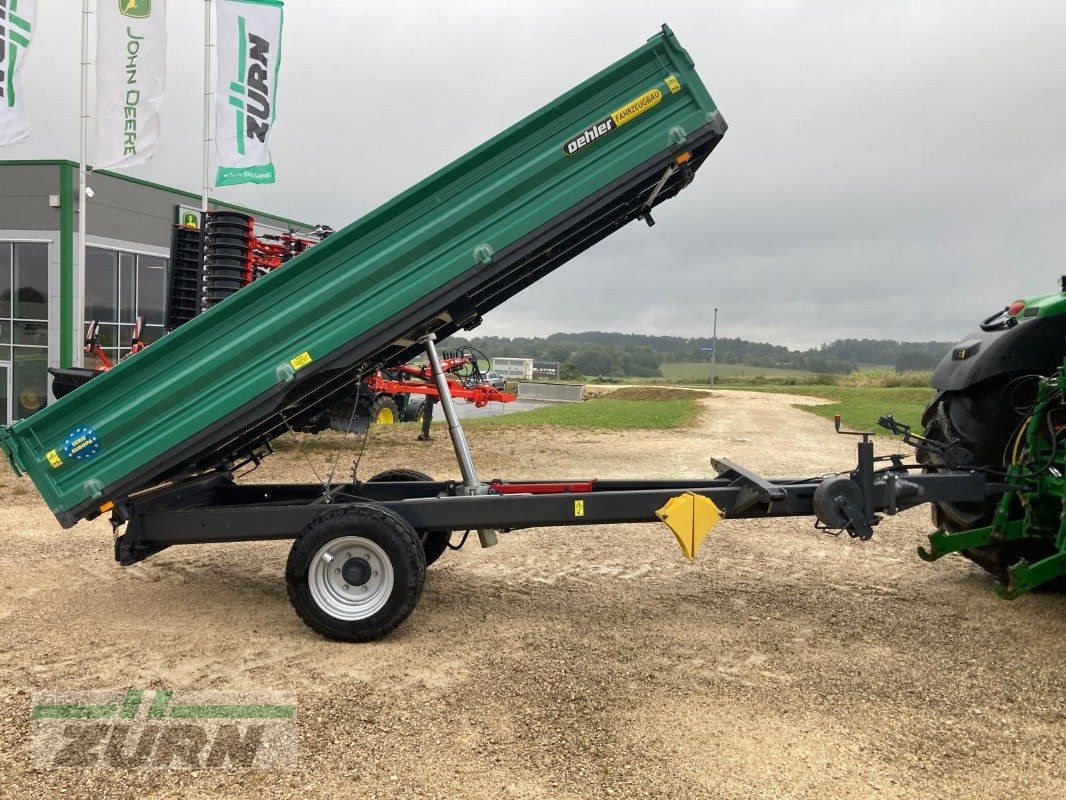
(892, 169)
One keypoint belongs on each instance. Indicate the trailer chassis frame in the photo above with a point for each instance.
(213, 508)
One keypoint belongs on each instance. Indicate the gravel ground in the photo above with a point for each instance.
(588, 662)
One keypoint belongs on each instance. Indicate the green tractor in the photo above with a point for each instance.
(999, 409)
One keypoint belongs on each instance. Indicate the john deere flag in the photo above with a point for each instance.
(249, 55)
(16, 32)
(131, 62)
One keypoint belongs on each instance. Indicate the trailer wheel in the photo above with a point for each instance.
(356, 574)
(384, 411)
(434, 543)
(982, 419)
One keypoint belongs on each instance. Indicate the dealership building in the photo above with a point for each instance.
(46, 297)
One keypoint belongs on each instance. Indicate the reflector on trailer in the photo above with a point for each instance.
(690, 516)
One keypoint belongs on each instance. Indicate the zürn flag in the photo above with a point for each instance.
(249, 56)
(17, 18)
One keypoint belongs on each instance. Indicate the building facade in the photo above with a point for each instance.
(520, 368)
(46, 297)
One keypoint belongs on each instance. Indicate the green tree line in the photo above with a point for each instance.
(641, 355)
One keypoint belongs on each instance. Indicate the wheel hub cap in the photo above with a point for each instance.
(356, 571)
(351, 578)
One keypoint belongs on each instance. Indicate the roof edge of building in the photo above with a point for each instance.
(49, 162)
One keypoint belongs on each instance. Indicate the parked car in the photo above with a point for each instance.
(493, 379)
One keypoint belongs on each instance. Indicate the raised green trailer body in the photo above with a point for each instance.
(217, 390)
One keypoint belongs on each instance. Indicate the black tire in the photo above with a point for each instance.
(400, 476)
(390, 538)
(434, 543)
(344, 418)
(384, 411)
(982, 419)
(412, 410)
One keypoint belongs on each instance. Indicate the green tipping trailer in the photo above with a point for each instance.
(159, 440)
(216, 391)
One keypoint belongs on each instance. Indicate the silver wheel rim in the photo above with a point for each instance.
(337, 596)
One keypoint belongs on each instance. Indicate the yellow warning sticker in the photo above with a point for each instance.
(579, 508)
(54, 459)
(301, 360)
(637, 107)
(673, 84)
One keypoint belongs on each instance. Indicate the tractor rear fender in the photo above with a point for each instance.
(1035, 345)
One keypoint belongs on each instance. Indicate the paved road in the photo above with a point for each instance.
(470, 411)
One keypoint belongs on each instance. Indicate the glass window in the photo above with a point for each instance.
(24, 321)
(101, 285)
(151, 289)
(31, 280)
(30, 387)
(5, 279)
(152, 333)
(107, 340)
(31, 333)
(108, 335)
(119, 286)
(125, 338)
(4, 372)
(126, 272)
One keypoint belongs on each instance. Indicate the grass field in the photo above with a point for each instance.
(700, 370)
(631, 409)
(860, 406)
(653, 408)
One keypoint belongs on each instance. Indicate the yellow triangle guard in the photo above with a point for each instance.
(691, 517)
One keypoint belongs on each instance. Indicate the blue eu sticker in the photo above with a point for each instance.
(81, 444)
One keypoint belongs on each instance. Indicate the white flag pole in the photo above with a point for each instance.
(208, 108)
(79, 268)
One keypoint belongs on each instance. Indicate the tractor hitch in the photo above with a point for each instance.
(951, 453)
(1034, 483)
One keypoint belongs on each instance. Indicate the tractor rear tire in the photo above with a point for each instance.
(384, 411)
(983, 421)
(434, 543)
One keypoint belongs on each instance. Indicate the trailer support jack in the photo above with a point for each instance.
(471, 481)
